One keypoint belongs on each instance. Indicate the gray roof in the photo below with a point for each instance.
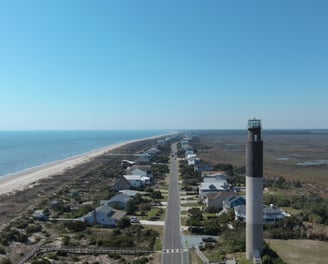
(130, 193)
(109, 211)
(138, 172)
(215, 178)
(121, 197)
(105, 209)
(216, 195)
(219, 186)
(229, 200)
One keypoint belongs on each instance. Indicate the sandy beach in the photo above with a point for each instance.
(27, 178)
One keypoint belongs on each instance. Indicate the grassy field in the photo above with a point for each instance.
(301, 251)
(282, 152)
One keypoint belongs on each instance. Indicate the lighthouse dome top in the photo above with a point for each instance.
(254, 123)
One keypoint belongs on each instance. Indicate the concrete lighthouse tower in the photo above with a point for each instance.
(254, 190)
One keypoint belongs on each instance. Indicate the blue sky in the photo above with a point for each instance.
(163, 64)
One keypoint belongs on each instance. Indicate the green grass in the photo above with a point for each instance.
(300, 251)
(158, 244)
(209, 215)
(196, 205)
(154, 213)
(245, 261)
(184, 221)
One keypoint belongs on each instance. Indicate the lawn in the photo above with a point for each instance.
(300, 251)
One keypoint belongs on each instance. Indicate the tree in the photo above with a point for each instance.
(124, 223)
(75, 226)
(138, 198)
(226, 167)
(156, 195)
(195, 218)
(131, 207)
(144, 208)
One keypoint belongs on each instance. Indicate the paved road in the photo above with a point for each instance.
(173, 251)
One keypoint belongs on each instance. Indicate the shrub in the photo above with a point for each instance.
(2, 251)
(5, 261)
(75, 226)
(30, 229)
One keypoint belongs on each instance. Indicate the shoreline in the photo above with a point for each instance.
(21, 180)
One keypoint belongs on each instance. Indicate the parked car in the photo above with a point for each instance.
(209, 239)
(134, 219)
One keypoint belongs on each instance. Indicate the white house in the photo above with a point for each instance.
(140, 172)
(137, 180)
(191, 159)
(270, 213)
(188, 152)
(104, 215)
(207, 187)
(213, 183)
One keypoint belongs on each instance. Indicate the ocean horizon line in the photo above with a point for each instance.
(24, 151)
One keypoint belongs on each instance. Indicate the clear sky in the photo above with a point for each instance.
(163, 64)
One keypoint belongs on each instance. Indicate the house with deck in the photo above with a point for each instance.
(104, 215)
(137, 180)
(213, 184)
(270, 213)
(144, 173)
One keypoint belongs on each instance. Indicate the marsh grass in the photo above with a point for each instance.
(300, 251)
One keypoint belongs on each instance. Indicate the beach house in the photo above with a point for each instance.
(118, 201)
(121, 184)
(214, 183)
(104, 215)
(270, 213)
(214, 200)
(137, 180)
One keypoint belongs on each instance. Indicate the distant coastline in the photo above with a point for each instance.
(25, 150)
(26, 178)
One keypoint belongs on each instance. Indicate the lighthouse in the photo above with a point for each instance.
(254, 190)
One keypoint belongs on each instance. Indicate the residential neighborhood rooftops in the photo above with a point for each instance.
(215, 195)
(215, 178)
(105, 209)
(135, 177)
(130, 193)
(212, 186)
(120, 198)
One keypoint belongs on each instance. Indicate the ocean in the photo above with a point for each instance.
(21, 150)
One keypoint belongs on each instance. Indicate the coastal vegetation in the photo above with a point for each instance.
(74, 194)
